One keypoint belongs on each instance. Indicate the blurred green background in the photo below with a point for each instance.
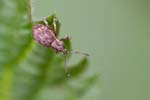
(114, 32)
(116, 35)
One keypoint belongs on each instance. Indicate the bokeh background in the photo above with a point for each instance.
(114, 32)
(116, 35)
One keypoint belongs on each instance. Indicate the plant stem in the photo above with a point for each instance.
(30, 10)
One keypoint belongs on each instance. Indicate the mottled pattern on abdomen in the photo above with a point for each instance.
(43, 35)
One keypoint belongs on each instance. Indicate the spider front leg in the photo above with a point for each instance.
(45, 21)
(53, 26)
(65, 38)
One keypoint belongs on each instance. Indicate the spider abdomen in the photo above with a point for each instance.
(43, 35)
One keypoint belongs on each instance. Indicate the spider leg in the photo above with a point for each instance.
(45, 21)
(55, 25)
(65, 38)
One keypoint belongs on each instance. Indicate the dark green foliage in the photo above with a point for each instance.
(50, 22)
(27, 68)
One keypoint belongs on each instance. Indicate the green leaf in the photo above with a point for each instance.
(79, 68)
(87, 83)
(67, 44)
(26, 67)
(81, 89)
(50, 21)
